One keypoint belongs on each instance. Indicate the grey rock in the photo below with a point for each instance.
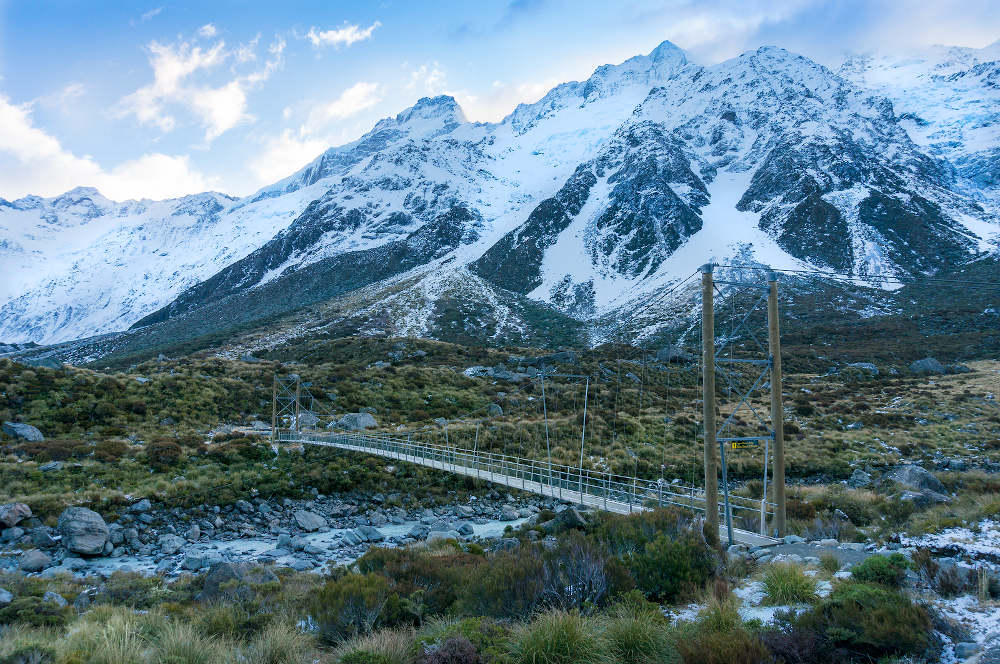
(55, 598)
(508, 513)
(42, 537)
(12, 514)
(928, 365)
(792, 539)
(357, 421)
(171, 544)
(865, 366)
(194, 561)
(5, 597)
(959, 369)
(220, 578)
(466, 528)
(494, 410)
(829, 541)
(83, 531)
(192, 533)
(34, 560)
(440, 535)
(12, 534)
(571, 518)
(966, 649)
(859, 479)
(300, 565)
(309, 521)
(507, 544)
(142, 506)
(371, 534)
(418, 531)
(284, 541)
(915, 477)
(50, 466)
(22, 431)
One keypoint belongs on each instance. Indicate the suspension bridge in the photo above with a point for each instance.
(589, 488)
(602, 489)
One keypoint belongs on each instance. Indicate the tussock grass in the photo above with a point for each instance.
(786, 583)
(559, 637)
(386, 646)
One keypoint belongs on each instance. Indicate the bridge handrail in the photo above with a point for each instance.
(555, 477)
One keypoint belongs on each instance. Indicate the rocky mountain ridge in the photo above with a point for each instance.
(575, 209)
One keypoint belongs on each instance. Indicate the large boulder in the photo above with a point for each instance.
(12, 514)
(371, 534)
(23, 431)
(233, 580)
(916, 478)
(859, 479)
(308, 521)
(83, 531)
(509, 513)
(308, 419)
(6, 597)
(34, 560)
(928, 365)
(171, 544)
(357, 421)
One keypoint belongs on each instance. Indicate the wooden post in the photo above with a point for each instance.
(298, 391)
(583, 435)
(274, 409)
(708, 405)
(777, 408)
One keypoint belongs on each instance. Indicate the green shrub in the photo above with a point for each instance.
(558, 637)
(868, 622)
(487, 636)
(509, 586)
(179, 643)
(349, 606)
(786, 583)
(35, 612)
(882, 570)
(238, 620)
(672, 566)
(163, 454)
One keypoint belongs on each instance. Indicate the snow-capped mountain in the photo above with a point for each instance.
(585, 203)
(948, 100)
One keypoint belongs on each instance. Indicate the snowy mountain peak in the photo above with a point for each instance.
(429, 117)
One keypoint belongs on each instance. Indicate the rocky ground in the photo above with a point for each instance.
(302, 534)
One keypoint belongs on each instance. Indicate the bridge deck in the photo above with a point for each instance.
(605, 495)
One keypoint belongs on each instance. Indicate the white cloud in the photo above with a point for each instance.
(218, 107)
(208, 30)
(147, 16)
(285, 154)
(342, 36)
(34, 162)
(429, 79)
(353, 100)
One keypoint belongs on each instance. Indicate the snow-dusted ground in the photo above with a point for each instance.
(983, 542)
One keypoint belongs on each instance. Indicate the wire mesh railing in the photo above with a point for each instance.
(603, 489)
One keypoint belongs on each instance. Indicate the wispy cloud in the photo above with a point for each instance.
(32, 161)
(359, 97)
(152, 13)
(345, 35)
(208, 30)
(175, 68)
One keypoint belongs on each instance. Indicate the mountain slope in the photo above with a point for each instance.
(576, 210)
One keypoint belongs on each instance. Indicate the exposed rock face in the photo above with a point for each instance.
(859, 479)
(34, 560)
(23, 431)
(83, 531)
(928, 365)
(357, 421)
(5, 597)
(220, 574)
(915, 477)
(12, 514)
(309, 521)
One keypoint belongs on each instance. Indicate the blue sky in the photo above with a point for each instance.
(164, 98)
